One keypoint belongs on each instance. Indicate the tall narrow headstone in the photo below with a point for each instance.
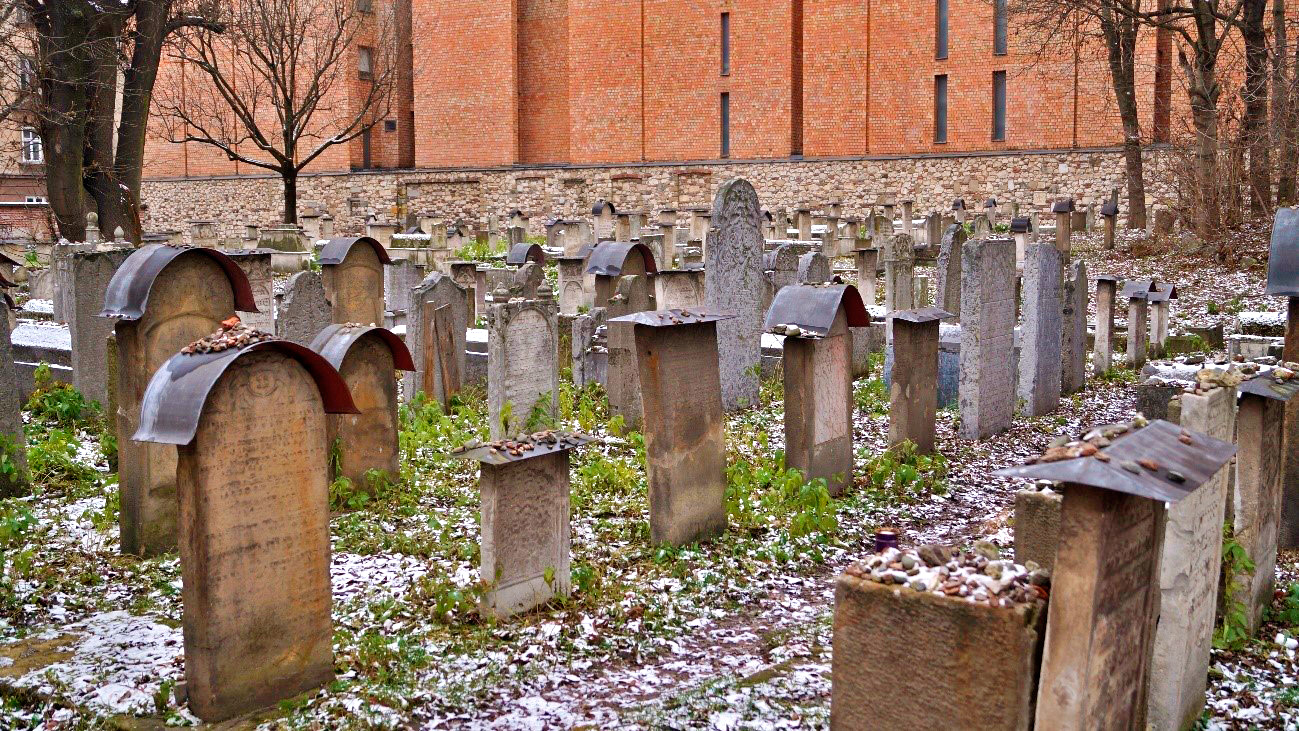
(899, 273)
(571, 279)
(1073, 346)
(734, 285)
(913, 392)
(88, 278)
(867, 273)
(987, 400)
(1039, 371)
(624, 378)
(1138, 309)
(435, 334)
(522, 367)
(1103, 347)
(949, 271)
(12, 446)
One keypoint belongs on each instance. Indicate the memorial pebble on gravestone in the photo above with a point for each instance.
(1039, 371)
(522, 368)
(363, 446)
(987, 399)
(351, 270)
(253, 496)
(436, 334)
(161, 299)
(734, 284)
(302, 310)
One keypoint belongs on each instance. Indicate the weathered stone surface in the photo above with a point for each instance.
(624, 378)
(685, 448)
(254, 549)
(910, 660)
(867, 273)
(1103, 346)
(679, 289)
(522, 371)
(399, 277)
(1039, 362)
(1153, 399)
(899, 273)
(590, 349)
(1037, 525)
(354, 288)
(814, 268)
(949, 270)
(1192, 552)
(1254, 509)
(1073, 345)
(302, 311)
(436, 338)
(12, 447)
(818, 406)
(527, 279)
(734, 285)
(987, 337)
(1138, 311)
(913, 389)
(572, 295)
(256, 266)
(87, 280)
(525, 533)
(368, 440)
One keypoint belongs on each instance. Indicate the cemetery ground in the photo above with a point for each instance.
(730, 634)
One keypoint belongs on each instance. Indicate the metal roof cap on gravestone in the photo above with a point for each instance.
(813, 307)
(334, 342)
(127, 294)
(958, 204)
(609, 257)
(524, 252)
(1158, 441)
(1283, 260)
(336, 250)
(1266, 385)
(1162, 293)
(173, 402)
(497, 456)
(668, 318)
(1064, 205)
(1145, 289)
(1110, 209)
(600, 205)
(1021, 225)
(1108, 278)
(926, 314)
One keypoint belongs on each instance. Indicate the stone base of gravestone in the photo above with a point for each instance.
(910, 660)
(1153, 398)
(525, 533)
(1037, 526)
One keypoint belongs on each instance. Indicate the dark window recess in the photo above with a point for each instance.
(940, 29)
(726, 44)
(940, 108)
(726, 124)
(999, 31)
(366, 162)
(389, 125)
(365, 62)
(999, 105)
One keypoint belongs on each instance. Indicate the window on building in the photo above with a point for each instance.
(940, 29)
(366, 161)
(26, 73)
(940, 108)
(365, 6)
(726, 124)
(36, 199)
(389, 125)
(999, 105)
(33, 150)
(999, 19)
(726, 44)
(365, 62)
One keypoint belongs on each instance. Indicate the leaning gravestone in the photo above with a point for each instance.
(161, 299)
(367, 358)
(435, 334)
(12, 449)
(1039, 374)
(987, 337)
(253, 496)
(303, 310)
(522, 372)
(352, 272)
(734, 284)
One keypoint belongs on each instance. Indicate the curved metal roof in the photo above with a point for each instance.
(336, 341)
(127, 295)
(1283, 258)
(1064, 205)
(336, 250)
(525, 252)
(609, 257)
(599, 206)
(174, 399)
(814, 307)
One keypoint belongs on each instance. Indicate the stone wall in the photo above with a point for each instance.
(1030, 179)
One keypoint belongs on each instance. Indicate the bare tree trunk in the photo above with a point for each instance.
(1282, 114)
(290, 175)
(100, 181)
(1254, 125)
(1121, 40)
(151, 30)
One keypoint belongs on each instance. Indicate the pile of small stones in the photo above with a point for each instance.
(521, 444)
(1094, 440)
(233, 334)
(794, 331)
(979, 576)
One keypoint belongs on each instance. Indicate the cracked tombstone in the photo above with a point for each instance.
(522, 368)
(987, 399)
(160, 300)
(1105, 599)
(1039, 363)
(681, 400)
(302, 310)
(352, 273)
(435, 335)
(949, 271)
(253, 496)
(623, 376)
(734, 284)
(525, 533)
(363, 446)
(815, 321)
(1103, 345)
(913, 393)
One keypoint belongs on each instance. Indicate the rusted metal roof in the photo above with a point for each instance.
(127, 295)
(524, 252)
(1266, 385)
(1158, 444)
(668, 318)
(927, 314)
(1283, 261)
(173, 402)
(336, 250)
(1064, 205)
(813, 307)
(499, 452)
(608, 258)
(336, 341)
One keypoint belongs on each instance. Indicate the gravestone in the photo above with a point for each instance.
(867, 273)
(465, 274)
(679, 289)
(527, 279)
(364, 444)
(949, 271)
(987, 399)
(681, 399)
(522, 368)
(398, 279)
(1138, 310)
(302, 311)
(160, 300)
(89, 273)
(1037, 525)
(913, 390)
(352, 273)
(12, 446)
(611, 260)
(1073, 345)
(899, 273)
(253, 497)
(734, 285)
(623, 377)
(590, 352)
(257, 269)
(435, 335)
(572, 295)
(1039, 371)
(783, 264)
(1103, 344)
(814, 268)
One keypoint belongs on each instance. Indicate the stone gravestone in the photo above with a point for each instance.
(368, 359)
(814, 268)
(679, 288)
(1037, 525)
(257, 268)
(913, 392)
(436, 334)
(1103, 346)
(685, 447)
(899, 273)
(1073, 347)
(465, 274)
(253, 496)
(1105, 599)
(303, 310)
(624, 378)
(160, 300)
(525, 533)
(818, 378)
(572, 296)
(527, 279)
(783, 264)
(734, 285)
(522, 372)
(867, 273)
(352, 272)
(398, 279)
(590, 352)
(1192, 551)
(89, 273)
(12, 446)
(949, 271)
(1138, 324)
(987, 337)
(1039, 374)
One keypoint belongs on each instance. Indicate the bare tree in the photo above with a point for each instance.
(285, 81)
(1254, 125)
